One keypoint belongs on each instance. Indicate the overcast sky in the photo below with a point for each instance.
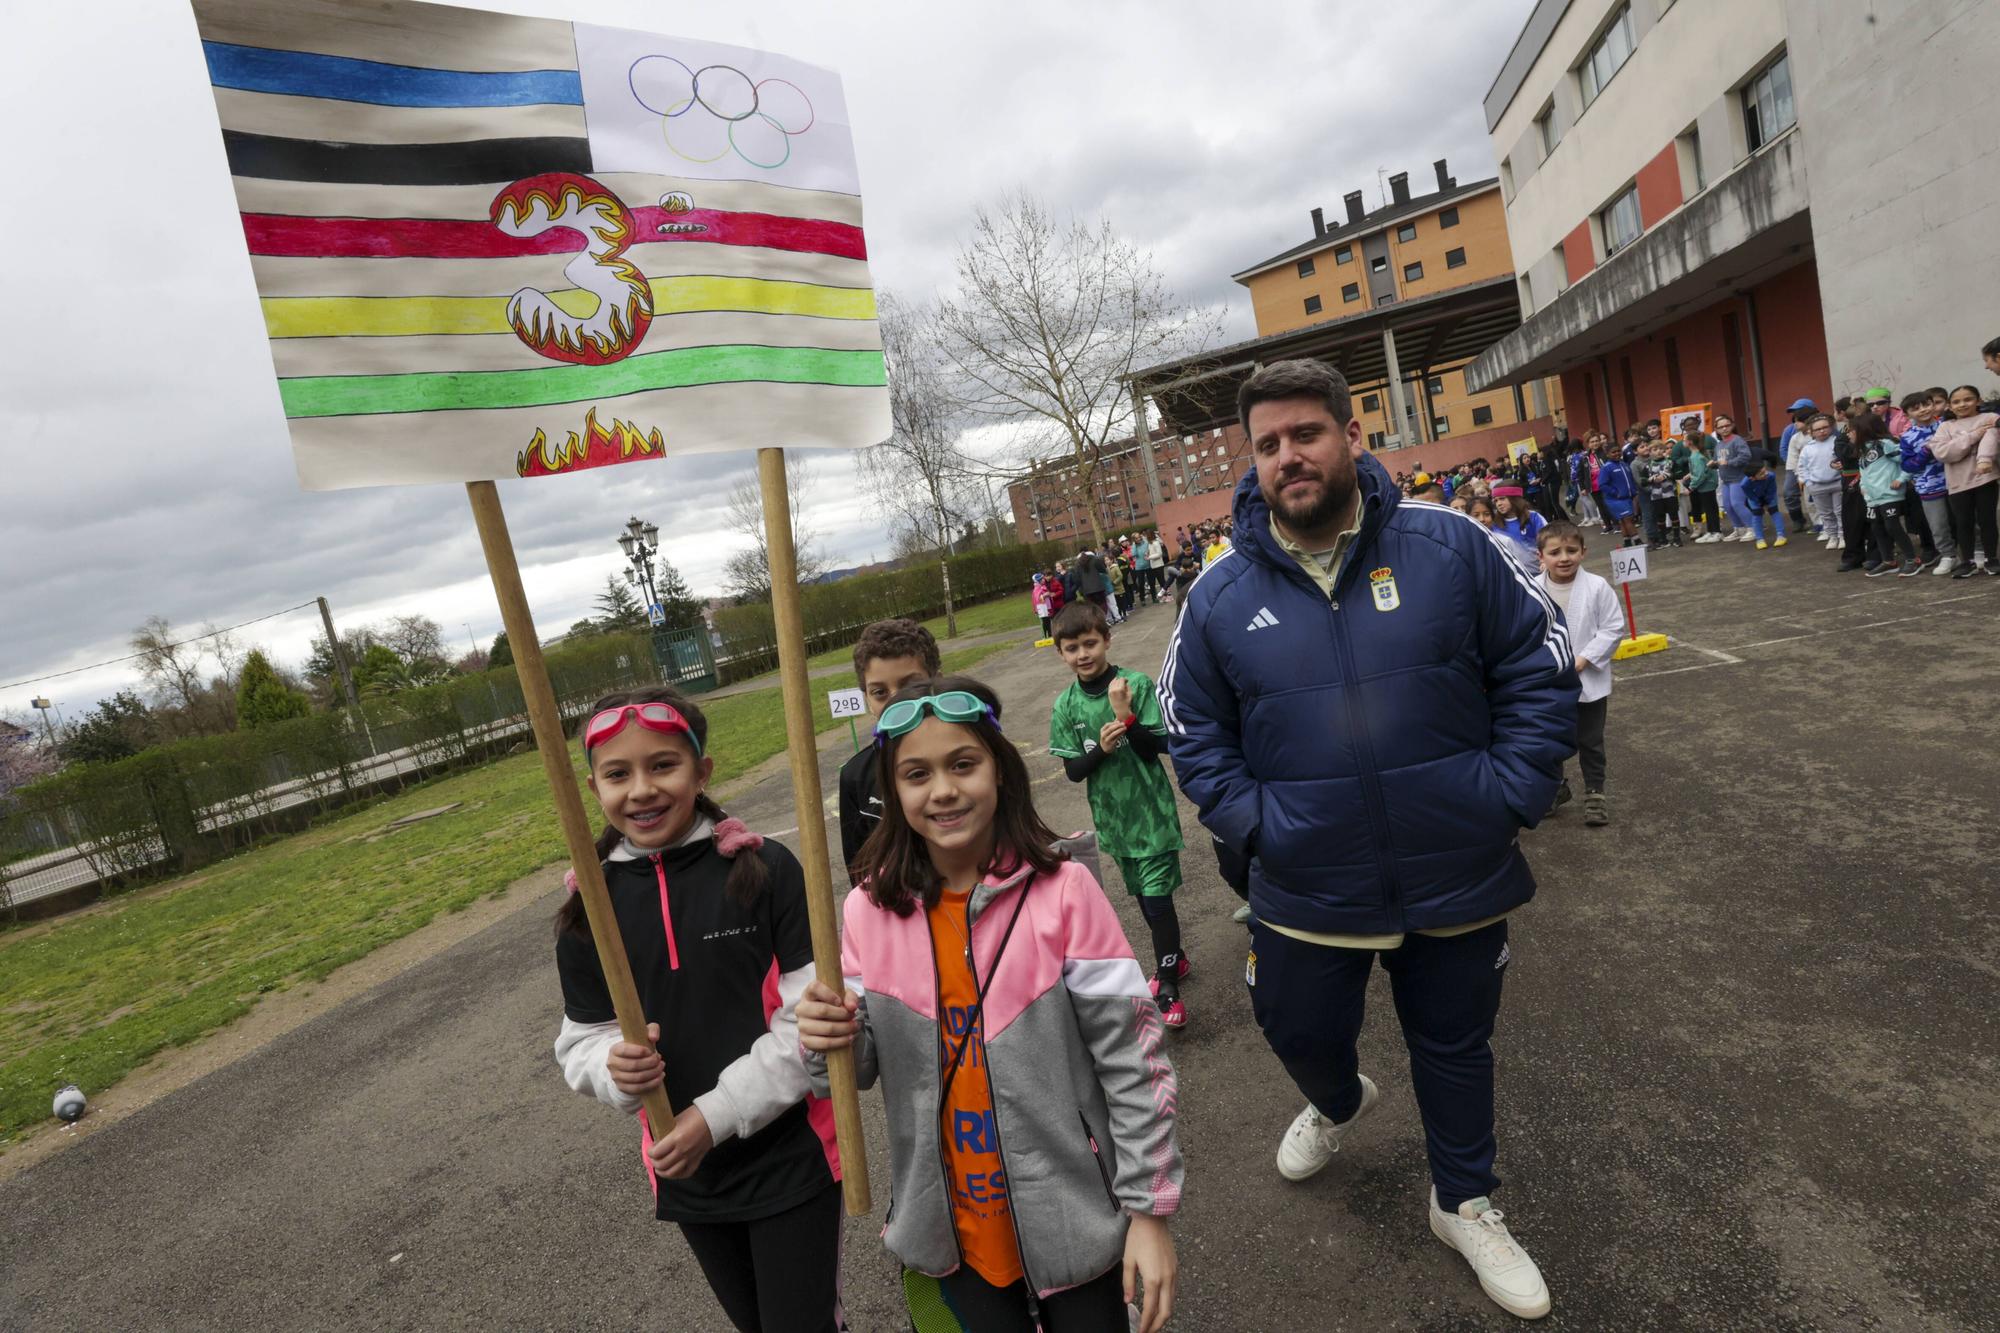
(149, 465)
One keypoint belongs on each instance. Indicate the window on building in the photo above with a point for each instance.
(1407, 232)
(1482, 416)
(1371, 402)
(1305, 268)
(1351, 292)
(1377, 439)
(1448, 218)
(1545, 129)
(1386, 298)
(1312, 305)
(1343, 254)
(1561, 267)
(1378, 263)
(1621, 221)
(1695, 172)
(1767, 103)
(1454, 258)
(1435, 384)
(1413, 272)
(1607, 55)
(1440, 426)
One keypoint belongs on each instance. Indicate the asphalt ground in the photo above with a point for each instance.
(1746, 1056)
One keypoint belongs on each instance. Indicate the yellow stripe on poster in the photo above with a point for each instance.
(405, 316)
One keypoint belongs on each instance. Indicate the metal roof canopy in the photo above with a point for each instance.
(1198, 393)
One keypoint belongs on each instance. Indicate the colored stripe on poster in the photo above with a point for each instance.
(260, 69)
(442, 238)
(353, 395)
(493, 162)
(391, 317)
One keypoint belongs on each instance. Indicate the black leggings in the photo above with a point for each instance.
(1098, 1306)
(1887, 528)
(1703, 509)
(1165, 923)
(776, 1274)
(1974, 514)
(1590, 741)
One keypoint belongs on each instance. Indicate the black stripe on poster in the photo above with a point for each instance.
(469, 162)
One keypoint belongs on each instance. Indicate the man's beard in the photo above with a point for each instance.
(1335, 494)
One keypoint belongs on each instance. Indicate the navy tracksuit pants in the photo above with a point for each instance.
(1309, 999)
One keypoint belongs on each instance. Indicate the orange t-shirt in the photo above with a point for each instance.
(977, 1181)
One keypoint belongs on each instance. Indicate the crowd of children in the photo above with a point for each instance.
(1133, 570)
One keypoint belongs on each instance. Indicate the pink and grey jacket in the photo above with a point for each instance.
(1083, 1093)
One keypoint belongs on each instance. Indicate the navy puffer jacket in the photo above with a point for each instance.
(1378, 753)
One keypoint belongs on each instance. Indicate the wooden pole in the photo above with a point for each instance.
(546, 721)
(799, 737)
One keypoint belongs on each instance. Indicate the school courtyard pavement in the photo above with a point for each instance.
(1747, 1055)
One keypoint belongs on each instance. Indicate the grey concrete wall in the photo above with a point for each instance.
(1895, 108)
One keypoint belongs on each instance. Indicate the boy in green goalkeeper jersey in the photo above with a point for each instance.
(1108, 731)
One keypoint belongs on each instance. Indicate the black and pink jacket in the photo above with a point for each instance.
(723, 980)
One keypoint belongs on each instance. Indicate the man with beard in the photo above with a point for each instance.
(1370, 700)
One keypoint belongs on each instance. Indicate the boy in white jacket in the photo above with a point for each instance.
(1590, 609)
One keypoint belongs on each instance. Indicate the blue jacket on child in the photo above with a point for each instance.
(1915, 447)
(1378, 751)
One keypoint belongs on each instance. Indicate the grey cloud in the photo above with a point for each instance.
(150, 470)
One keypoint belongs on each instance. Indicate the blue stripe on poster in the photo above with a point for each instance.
(259, 69)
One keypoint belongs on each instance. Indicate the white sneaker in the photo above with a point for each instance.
(1945, 566)
(1708, 539)
(1506, 1274)
(1312, 1140)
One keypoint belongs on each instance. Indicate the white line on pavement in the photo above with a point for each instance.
(1721, 658)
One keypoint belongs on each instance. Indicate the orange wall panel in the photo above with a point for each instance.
(1578, 257)
(1660, 188)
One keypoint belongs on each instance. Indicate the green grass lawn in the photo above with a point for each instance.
(992, 617)
(89, 999)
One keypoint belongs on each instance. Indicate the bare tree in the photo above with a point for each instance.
(25, 754)
(1049, 317)
(415, 638)
(926, 484)
(747, 574)
(173, 668)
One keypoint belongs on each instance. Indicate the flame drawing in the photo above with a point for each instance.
(624, 298)
(676, 201)
(596, 447)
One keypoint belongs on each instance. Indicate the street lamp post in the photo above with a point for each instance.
(43, 706)
(641, 542)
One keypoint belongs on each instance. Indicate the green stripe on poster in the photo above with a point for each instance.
(447, 391)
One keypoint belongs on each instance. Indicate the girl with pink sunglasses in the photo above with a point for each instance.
(714, 923)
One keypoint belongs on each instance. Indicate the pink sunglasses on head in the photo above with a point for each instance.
(664, 718)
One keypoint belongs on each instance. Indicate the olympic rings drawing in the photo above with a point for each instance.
(731, 113)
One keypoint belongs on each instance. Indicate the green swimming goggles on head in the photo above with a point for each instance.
(902, 717)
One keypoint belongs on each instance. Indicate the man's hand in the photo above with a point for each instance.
(1582, 665)
(1149, 1254)
(1111, 735)
(826, 1020)
(1120, 695)
(634, 1068)
(679, 1154)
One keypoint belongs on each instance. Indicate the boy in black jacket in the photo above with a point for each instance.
(889, 655)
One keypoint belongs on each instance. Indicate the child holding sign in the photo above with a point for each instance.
(1590, 609)
(1030, 1102)
(714, 921)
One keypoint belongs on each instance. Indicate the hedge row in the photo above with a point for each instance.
(185, 803)
(835, 612)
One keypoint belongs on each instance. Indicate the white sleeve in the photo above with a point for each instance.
(1605, 628)
(768, 1079)
(581, 1049)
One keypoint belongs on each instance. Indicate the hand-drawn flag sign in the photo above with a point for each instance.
(491, 246)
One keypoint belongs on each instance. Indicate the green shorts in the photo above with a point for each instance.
(1150, 876)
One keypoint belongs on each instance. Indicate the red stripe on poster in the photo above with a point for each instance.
(455, 238)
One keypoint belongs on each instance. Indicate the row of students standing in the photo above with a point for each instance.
(970, 918)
